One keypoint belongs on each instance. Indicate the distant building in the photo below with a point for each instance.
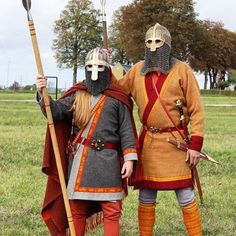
(119, 70)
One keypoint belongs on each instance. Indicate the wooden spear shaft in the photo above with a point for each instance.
(52, 129)
(104, 25)
(105, 37)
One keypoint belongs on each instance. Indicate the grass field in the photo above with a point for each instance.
(22, 129)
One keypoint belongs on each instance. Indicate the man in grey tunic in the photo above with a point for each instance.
(103, 132)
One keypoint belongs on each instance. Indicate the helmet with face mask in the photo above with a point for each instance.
(157, 50)
(97, 71)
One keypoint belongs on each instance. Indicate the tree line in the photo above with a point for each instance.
(206, 45)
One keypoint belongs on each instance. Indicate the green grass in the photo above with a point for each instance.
(22, 129)
(30, 95)
(209, 100)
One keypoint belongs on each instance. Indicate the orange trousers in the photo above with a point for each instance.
(111, 214)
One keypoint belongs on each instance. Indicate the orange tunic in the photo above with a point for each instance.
(164, 165)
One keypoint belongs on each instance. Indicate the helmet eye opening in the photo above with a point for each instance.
(98, 68)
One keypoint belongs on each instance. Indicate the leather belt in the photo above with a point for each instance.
(97, 144)
(156, 130)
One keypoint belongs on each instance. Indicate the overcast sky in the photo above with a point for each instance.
(16, 53)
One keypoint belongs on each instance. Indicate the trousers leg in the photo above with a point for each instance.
(111, 212)
(79, 212)
(192, 219)
(146, 218)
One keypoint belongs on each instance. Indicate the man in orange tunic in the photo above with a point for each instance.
(158, 84)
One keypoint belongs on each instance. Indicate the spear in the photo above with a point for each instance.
(27, 6)
(104, 24)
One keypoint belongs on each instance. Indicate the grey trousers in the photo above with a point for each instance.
(184, 196)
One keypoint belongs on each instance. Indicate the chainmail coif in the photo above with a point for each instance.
(99, 85)
(159, 60)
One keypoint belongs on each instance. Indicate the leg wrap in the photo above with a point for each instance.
(146, 218)
(79, 211)
(111, 213)
(192, 219)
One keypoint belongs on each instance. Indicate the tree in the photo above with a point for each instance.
(135, 19)
(214, 53)
(77, 31)
(232, 77)
(206, 45)
(30, 87)
(201, 50)
(118, 53)
(15, 86)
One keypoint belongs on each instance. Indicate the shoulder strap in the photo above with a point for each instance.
(95, 108)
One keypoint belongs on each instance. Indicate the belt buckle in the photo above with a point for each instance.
(155, 130)
(97, 144)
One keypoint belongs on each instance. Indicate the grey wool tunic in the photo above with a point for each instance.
(96, 174)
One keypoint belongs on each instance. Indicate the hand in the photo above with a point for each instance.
(192, 157)
(127, 169)
(41, 83)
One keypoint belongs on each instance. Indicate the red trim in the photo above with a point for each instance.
(152, 97)
(141, 139)
(196, 143)
(178, 184)
(161, 79)
(165, 109)
(150, 91)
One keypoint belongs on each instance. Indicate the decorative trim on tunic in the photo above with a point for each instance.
(178, 184)
(129, 150)
(86, 148)
(196, 143)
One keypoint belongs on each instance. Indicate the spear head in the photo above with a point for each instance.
(27, 6)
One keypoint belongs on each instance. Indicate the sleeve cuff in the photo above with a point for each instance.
(196, 143)
(130, 154)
